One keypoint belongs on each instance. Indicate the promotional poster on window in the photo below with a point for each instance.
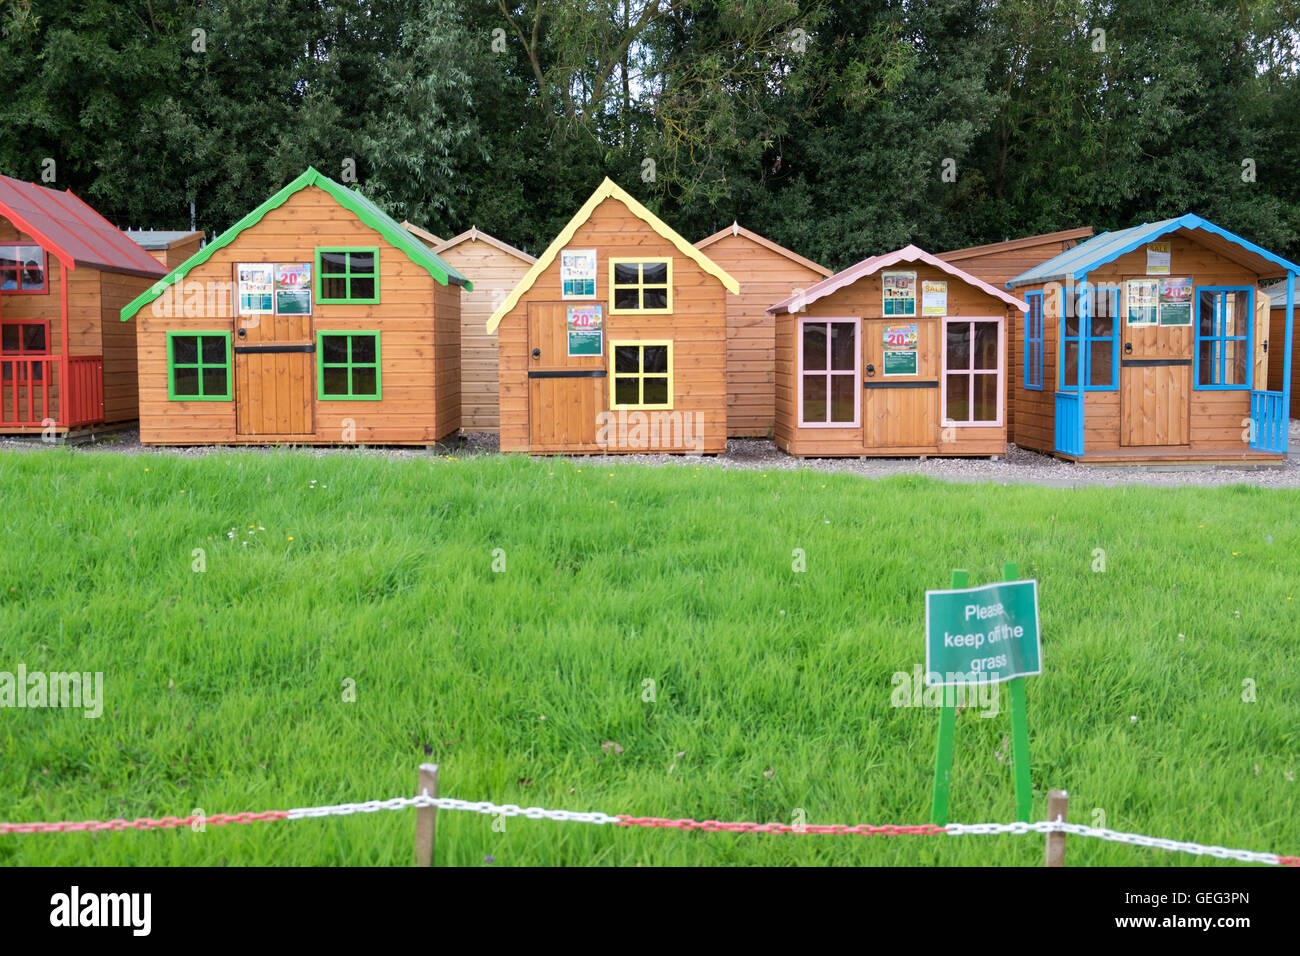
(900, 342)
(585, 327)
(899, 292)
(256, 281)
(1176, 301)
(293, 288)
(578, 273)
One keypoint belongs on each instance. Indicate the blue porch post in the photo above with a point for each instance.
(1286, 362)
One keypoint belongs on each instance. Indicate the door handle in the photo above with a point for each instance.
(537, 353)
(1266, 346)
(1128, 348)
(871, 370)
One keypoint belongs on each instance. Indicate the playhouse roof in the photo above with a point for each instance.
(350, 199)
(736, 229)
(870, 266)
(1074, 264)
(1011, 245)
(474, 234)
(608, 190)
(160, 239)
(72, 231)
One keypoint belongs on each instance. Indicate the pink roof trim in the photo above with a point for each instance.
(73, 231)
(873, 265)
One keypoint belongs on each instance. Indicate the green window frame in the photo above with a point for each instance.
(212, 375)
(350, 275)
(356, 368)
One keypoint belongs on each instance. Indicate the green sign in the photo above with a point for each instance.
(982, 635)
(900, 363)
(584, 324)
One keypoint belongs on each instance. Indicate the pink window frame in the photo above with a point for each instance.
(45, 271)
(857, 371)
(1001, 371)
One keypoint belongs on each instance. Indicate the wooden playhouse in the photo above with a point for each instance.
(495, 267)
(901, 354)
(1148, 344)
(170, 247)
(766, 272)
(315, 319)
(615, 340)
(66, 361)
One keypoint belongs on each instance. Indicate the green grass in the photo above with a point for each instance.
(225, 688)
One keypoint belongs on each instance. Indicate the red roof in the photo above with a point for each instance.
(71, 231)
(869, 266)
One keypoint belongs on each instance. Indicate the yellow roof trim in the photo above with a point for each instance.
(608, 190)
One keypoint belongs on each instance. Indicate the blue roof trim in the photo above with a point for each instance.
(1078, 262)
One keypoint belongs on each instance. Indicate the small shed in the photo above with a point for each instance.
(315, 319)
(171, 248)
(495, 267)
(1276, 343)
(615, 340)
(66, 362)
(766, 272)
(1147, 345)
(900, 355)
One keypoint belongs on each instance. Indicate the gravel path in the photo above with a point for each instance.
(1019, 466)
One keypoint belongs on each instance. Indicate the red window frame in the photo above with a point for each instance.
(17, 271)
(8, 370)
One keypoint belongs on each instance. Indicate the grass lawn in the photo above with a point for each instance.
(225, 688)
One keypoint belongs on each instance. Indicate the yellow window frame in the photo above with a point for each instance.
(640, 284)
(640, 376)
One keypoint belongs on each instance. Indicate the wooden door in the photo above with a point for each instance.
(275, 372)
(1155, 384)
(900, 410)
(565, 393)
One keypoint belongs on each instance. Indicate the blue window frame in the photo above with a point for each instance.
(1034, 341)
(1100, 331)
(1224, 316)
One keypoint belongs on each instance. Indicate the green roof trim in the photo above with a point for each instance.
(360, 206)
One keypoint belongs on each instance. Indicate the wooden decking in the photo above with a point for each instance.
(1248, 458)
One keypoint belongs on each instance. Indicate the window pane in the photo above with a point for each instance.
(655, 358)
(33, 272)
(10, 336)
(1234, 319)
(33, 338)
(214, 381)
(814, 398)
(363, 349)
(626, 390)
(334, 380)
(654, 299)
(1071, 326)
(986, 345)
(986, 399)
(185, 349)
(958, 387)
(10, 257)
(626, 273)
(362, 262)
(365, 381)
(627, 299)
(814, 346)
(844, 398)
(655, 390)
(1207, 313)
(333, 287)
(843, 346)
(334, 349)
(362, 288)
(214, 350)
(187, 381)
(959, 346)
(1101, 327)
(627, 358)
(1235, 364)
(333, 262)
(1070, 365)
(654, 273)
(1101, 358)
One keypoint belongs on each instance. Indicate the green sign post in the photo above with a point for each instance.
(981, 635)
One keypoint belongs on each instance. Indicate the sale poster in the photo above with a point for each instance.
(256, 285)
(900, 347)
(1176, 301)
(1157, 258)
(578, 273)
(1142, 300)
(585, 326)
(934, 297)
(898, 290)
(293, 288)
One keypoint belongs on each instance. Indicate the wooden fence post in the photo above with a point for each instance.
(1057, 809)
(425, 817)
